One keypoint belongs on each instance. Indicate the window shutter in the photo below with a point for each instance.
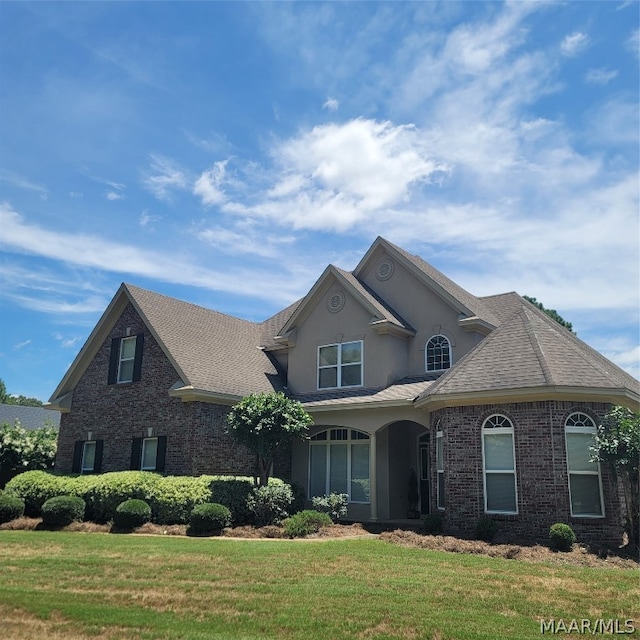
(77, 456)
(137, 363)
(162, 451)
(97, 464)
(113, 360)
(136, 453)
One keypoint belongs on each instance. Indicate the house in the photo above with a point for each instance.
(489, 403)
(30, 418)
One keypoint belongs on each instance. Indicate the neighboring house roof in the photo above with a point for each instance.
(30, 418)
(531, 356)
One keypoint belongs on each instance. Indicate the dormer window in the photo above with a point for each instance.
(437, 354)
(340, 365)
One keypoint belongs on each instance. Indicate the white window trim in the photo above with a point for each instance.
(584, 430)
(499, 431)
(155, 462)
(84, 469)
(348, 441)
(339, 365)
(439, 470)
(121, 360)
(426, 354)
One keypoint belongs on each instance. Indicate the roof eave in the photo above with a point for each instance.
(385, 327)
(61, 403)
(191, 394)
(474, 323)
(312, 408)
(621, 396)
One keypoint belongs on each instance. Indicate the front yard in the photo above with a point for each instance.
(58, 584)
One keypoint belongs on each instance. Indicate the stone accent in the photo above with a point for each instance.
(541, 472)
(117, 413)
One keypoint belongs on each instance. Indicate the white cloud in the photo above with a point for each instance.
(23, 183)
(600, 76)
(245, 240)
(147, 219)
(112, 195)
(208, 186)
(573, 44)
(75, 194)
(633, 44)
(164, 176)
(21, 345)
(331, 104)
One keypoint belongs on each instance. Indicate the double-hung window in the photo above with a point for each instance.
(340, 365)
(585, 483)
(339, 463)
(87, 456)
(149, 454)
(498, 454)
(125, 363)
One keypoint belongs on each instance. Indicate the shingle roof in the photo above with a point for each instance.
(530, 350)
(212, 351)
(30, 418)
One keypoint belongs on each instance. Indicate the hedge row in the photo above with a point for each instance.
(171, 498)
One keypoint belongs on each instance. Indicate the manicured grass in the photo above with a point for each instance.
(76, 586)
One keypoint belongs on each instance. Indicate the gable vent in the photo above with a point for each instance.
(385, 270)
(335, 301)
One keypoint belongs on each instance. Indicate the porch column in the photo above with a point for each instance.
(373, 477)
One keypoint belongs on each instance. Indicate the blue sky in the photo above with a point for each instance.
(225, 153)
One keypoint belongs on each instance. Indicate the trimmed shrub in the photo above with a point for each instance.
(433, 523)
(305, 523)
(486, 529)
(233, 494)
(61, 511)
(11, 507)
(335, 505)
(270, 504)
(131, 514)
(173, 498)
(34, 488)
(561, 537)
(209, 517)
(299, 498)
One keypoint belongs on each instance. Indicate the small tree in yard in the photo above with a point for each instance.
(264, 422)
(617, 443)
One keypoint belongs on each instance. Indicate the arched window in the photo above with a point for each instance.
(437, 354)
(585, 482)
(339, 463)
(498, 459)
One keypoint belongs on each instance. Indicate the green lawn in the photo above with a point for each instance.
(104, 586)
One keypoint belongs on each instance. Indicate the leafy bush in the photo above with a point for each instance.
(11, 507)
(486, 529)
(34, 488)
(209, 517)
(270, 504)
(299, 498)
(433, 523)
(61, 511)
(173, 498)
(233, 492)
(131, 514)
(561, 537)
(335, 505)
(305, 523)
(22, 450)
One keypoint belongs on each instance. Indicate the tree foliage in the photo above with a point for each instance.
(23, 401)
(617, 444)
(22, 450)
(552, 313)
(265, 422)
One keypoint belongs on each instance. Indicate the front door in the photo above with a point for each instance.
(425, 493)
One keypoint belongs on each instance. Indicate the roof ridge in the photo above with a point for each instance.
(535, 343)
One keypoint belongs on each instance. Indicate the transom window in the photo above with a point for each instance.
(127, 359)
(437, 354)
(340, 365)
(498, 457)
(585, 482)
(339, 463)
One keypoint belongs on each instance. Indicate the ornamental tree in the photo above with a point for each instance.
(265, 422)
(617, 443)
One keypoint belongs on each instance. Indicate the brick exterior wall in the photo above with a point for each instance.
(118, 413)
(541, 472)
